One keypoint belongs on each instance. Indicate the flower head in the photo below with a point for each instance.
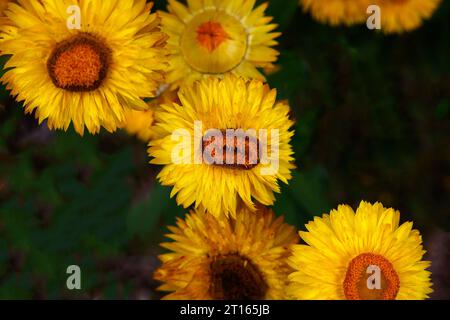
(399, 16)
(227, 259)
(365, 255)
(218, 37)
(227, 142)
(337, 12)
(86, 67)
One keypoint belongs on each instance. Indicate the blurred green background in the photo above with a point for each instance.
(373, 123)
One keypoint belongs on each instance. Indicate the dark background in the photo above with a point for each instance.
(373, 123)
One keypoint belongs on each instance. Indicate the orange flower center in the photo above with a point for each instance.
(214, 42)
(79, 63)
(234, 277)
(371, 277)
(211, 35)
(235, 151)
